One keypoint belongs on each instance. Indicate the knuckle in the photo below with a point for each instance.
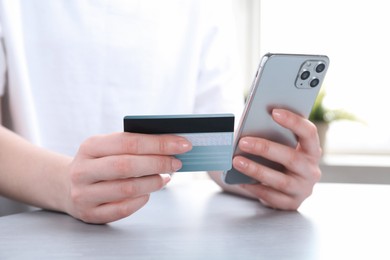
(294, 205)
(290, 203)
(297, 120)
(292, 158)
(265, 198)
(264, 202)
(312, 130)
(77, 173)
(122, 166)
(131, 145)
(262, 147)
(76, 196)
(75, 176)
(164, 165)
(309, 192)
(79, 209)
(145, 199)
(317, 174)
(87, 216)
(297, 201)
(318, 153)
(83, 149)
(259, 172)
(285, 184)
(163, 146)
(126, 209)
(85, 146)
(160, 183)
(128, 189)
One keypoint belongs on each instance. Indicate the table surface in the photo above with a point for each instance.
(194, 220)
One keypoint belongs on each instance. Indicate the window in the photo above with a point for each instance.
(354, 35)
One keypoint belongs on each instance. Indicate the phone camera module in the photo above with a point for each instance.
(311, 74)
(320, 68)
(314, 82)
(305, 75)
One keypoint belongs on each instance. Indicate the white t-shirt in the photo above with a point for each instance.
(74, 68)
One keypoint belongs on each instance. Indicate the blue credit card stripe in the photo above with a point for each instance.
(202, 155)
(210, 149)
(203, 163)
(205, 151)
(205, 167)
(209, 139)
(207, 158)
(204, 159)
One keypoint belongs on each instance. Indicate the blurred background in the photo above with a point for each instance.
(354, 35)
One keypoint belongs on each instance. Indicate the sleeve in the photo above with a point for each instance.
(218, 88)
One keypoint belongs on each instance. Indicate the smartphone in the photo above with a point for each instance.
(288, 81)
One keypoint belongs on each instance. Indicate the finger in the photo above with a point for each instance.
(267, 176)
(131, 143)
(123, 167)
(289, 157)
(301, 127)
(111, 191)
(113, 211)
(272, 198)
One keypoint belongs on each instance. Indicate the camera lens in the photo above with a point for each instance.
(314, 82)
(320, 67)
(305, 75)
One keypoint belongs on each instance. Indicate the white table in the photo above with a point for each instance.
(193, 220)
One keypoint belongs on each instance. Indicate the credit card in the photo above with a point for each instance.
(211, 136)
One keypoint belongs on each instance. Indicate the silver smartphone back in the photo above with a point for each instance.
(289, 81)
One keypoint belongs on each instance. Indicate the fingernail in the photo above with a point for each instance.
(277, 113)
(185, 146)
(176, 164)
(166, 178)
(245, 144)
(240, 164)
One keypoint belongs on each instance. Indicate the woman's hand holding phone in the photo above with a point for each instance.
(285, 189)
(277, 150)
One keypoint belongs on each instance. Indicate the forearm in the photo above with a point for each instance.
(31, 174)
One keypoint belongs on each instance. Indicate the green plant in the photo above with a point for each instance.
(320, 113)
